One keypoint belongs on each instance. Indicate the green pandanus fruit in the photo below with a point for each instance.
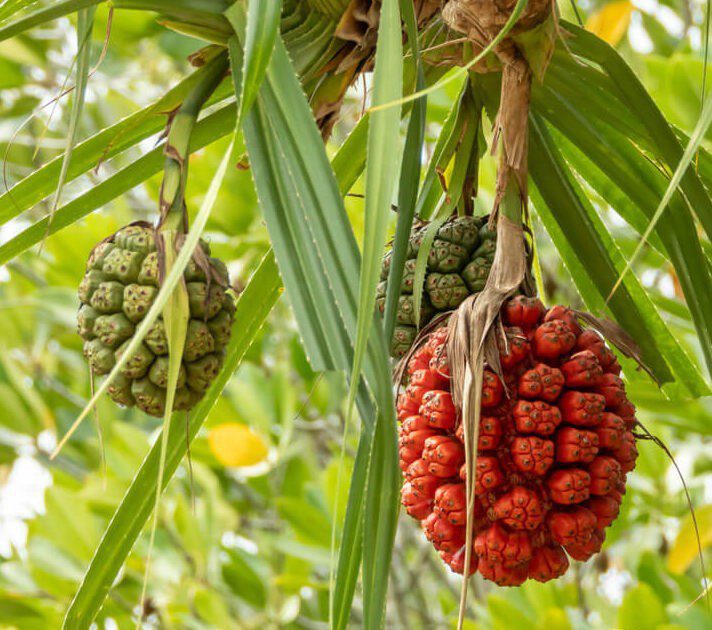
(118, 289)
(458, 265)
(123, 278)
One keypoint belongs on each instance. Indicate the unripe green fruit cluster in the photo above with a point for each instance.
(119, 286)
(458, 265)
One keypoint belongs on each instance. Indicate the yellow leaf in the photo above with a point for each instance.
(235, 444)
(684, 549)
(611, 22)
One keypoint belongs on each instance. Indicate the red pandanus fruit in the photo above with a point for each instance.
(554, 448)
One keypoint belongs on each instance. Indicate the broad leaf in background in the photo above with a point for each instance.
(235, 444)
(611, 21)
(684, 550)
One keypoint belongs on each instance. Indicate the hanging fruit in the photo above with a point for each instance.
(118, 289)
(124, 275)
(554, 447)
(458, 264)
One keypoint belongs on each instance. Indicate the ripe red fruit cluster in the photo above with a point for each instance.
(555, 445)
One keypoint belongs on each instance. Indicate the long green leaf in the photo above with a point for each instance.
(261, 30)
(102, 146)
(204, 15)
(253, 307)
(381, 172)
(11, 28)
(623, 164)
(598, 255)
(351, 549)
(597, 96)
(208, 130)
(695, 140)
(593, 92)
(84, 30)
(380, 518)
(319, 261)
(450, 135)
(632, 92)
(302, 203)
(382, 161)
(589, 171)
(409, 178)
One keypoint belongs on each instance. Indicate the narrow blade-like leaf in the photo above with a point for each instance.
(585, 239)
(639, 179)
(253, 307)
(11, 28)
(261, 27)
(319, 261)
(102, 146)
(409, 178)
(634, 94)
(208, 130)
(381, 172)
(84, 31)
(695, 140)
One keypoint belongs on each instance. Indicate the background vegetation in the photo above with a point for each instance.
(244, 536)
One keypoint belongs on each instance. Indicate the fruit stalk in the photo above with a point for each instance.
(474, 329)
(172, 195)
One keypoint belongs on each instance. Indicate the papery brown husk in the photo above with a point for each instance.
(358, 31)
(481, 20)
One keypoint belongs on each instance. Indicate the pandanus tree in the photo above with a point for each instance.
(512, 426)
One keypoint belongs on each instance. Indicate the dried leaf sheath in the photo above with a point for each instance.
(511, 126)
